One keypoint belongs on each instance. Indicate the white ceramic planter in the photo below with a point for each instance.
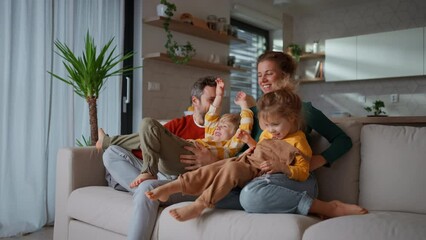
(161, 10)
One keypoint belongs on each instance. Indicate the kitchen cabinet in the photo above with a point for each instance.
(390, 54)
(379, 55)
(341, 59)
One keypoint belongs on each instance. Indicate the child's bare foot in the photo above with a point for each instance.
(343, 209)
(163, 192)
(187, 212)
(101, 135)
(140, 178)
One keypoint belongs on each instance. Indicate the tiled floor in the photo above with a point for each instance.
(45, 233)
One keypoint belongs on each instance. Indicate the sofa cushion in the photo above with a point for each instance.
(102, 207)
(341, 180)
(233, 224)
(374, 226)
(392, 172)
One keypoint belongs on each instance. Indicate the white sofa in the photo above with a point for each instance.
(384, 172)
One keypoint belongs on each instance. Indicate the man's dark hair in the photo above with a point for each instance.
(200, 84)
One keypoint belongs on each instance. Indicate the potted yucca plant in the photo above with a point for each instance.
(87, 74)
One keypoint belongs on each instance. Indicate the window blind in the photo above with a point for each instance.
(246, 57)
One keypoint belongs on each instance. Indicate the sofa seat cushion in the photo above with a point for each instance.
(233, 224)
(392, 172)
(375, 226)
(102, 207)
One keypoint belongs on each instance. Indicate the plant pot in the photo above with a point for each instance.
(161, 10)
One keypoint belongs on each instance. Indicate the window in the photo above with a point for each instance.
(246, 57)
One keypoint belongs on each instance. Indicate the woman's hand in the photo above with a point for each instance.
(202, 156)
(316, 162)
(270, 166)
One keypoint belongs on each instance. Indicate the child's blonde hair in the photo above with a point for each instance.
(283, 103)
(232, 118)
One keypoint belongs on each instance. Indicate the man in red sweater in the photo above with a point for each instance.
(122, 156)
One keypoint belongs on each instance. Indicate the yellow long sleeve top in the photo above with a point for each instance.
(229, 148)
(299, 169)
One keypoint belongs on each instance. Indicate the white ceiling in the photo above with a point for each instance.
(303, 6)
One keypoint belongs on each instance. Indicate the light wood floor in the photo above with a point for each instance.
(45, 233)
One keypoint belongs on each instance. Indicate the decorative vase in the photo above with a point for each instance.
(161, 10)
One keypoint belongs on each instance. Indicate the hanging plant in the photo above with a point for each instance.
(180, 54)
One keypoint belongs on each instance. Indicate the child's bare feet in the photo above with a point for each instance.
(187, 212)
(101, 135)
(163, 192)
(140, 178)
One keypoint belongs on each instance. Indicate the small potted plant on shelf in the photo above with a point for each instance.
(376, 108)
(295, 51)
(180, 54)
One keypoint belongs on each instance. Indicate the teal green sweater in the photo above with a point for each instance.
(314, 119)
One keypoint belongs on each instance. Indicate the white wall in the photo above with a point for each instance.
(176, 80)
(365, 18)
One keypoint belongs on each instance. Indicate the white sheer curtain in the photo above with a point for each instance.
(39, 115)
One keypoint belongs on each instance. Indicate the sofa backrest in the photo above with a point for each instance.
(341, 180)
(393, 168)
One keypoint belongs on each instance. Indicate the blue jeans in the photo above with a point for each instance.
(122, 167)
(145, 210)
(276, 193)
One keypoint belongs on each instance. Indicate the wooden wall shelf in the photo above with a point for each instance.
(194, 63)
(308, 56)
(189, 29)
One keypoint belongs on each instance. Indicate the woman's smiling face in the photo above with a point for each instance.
(269, 76)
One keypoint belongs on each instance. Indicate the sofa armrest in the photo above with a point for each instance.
(75, 168)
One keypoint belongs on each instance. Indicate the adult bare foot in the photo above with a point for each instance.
(339, 209)
(140, 178)
(187, 212)
(101, 135)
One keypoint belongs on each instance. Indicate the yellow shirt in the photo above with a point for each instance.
(299, 169)
(231, 147)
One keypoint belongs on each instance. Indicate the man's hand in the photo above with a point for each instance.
(202, 156)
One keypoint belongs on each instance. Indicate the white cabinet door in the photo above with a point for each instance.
(340, 59)
(390, 54)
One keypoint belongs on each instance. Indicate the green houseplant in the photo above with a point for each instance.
(295, 50)
(87, 74)
(180, 54)
(376, 108)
